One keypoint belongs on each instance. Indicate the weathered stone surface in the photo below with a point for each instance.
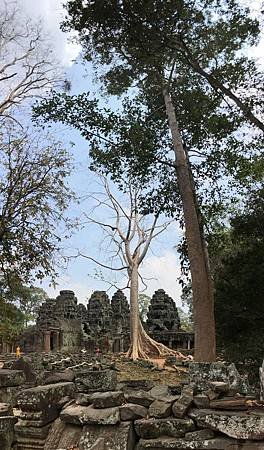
(229, 403)
(92, 380)
(201, 401)
(24, 364)
(84, 399)
(5, 410)
(144, 385)
(154, 428)
(212, 395)
(131, 411)
(204, 373)
(80, 415)
(139, 397)
(160, 409)
(23, 430)
(7, 431)
(160, 391)
(175, 444)
(99, 444)
(9, 394)
(37, 418)
(175, 389)
(59, 377)
(11, 377)
(63, 436)
(239, 425)
(107, 399)
(119, 437)
(250, 445)
(44, 397)
(199, 435)
(219, 386)
(181, 406)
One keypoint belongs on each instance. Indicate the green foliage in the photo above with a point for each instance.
(185, 320)
(11, 321)
(33, 197)
(148, 44)
(239, 289)
(27, 299)
(145, 44)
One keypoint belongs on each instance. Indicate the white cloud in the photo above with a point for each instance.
(164, 271)
(51, 14)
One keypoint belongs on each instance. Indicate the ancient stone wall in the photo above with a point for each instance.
(103, 326)
(85, 408)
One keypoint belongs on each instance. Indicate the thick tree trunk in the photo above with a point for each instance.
(203, 300)
(141, 344)
(134, 312)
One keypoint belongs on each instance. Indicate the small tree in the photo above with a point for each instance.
(131, 233)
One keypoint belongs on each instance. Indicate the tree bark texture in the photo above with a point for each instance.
(141, 344)
(202, 285)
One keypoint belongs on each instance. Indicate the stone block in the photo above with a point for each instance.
(84, 399)
(45, 399)
(238, 425)
(175, 389)
(219, 386)
(181, 444)
(81, 415)
(5, 410)
(63, 436)
(119, 437)
(11, 378)
(160, 409)
(159, 391)
(25, 365)
(229, 403)
(144, 385)
(131, 411)
(59, 377)
(202, 374)
(7, 431)
(107, 399)
(181, 406)
(23, 430)
(201, 435)
(171, 427)
(96, 380)
(201, 401)
(9, 394)
(139, 397)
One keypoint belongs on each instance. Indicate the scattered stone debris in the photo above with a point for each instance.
(90, 410)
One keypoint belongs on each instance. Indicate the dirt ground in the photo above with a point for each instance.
(129, 370)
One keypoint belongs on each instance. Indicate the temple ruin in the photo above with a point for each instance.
(64, 325)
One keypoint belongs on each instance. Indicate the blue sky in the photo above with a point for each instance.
(162, 263)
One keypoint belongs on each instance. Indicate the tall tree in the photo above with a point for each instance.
(135, 38)
(33, 165)
(131, 234)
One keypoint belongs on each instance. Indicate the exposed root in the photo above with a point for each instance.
(145, 347)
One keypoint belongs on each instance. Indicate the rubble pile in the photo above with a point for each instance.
(85, 408)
